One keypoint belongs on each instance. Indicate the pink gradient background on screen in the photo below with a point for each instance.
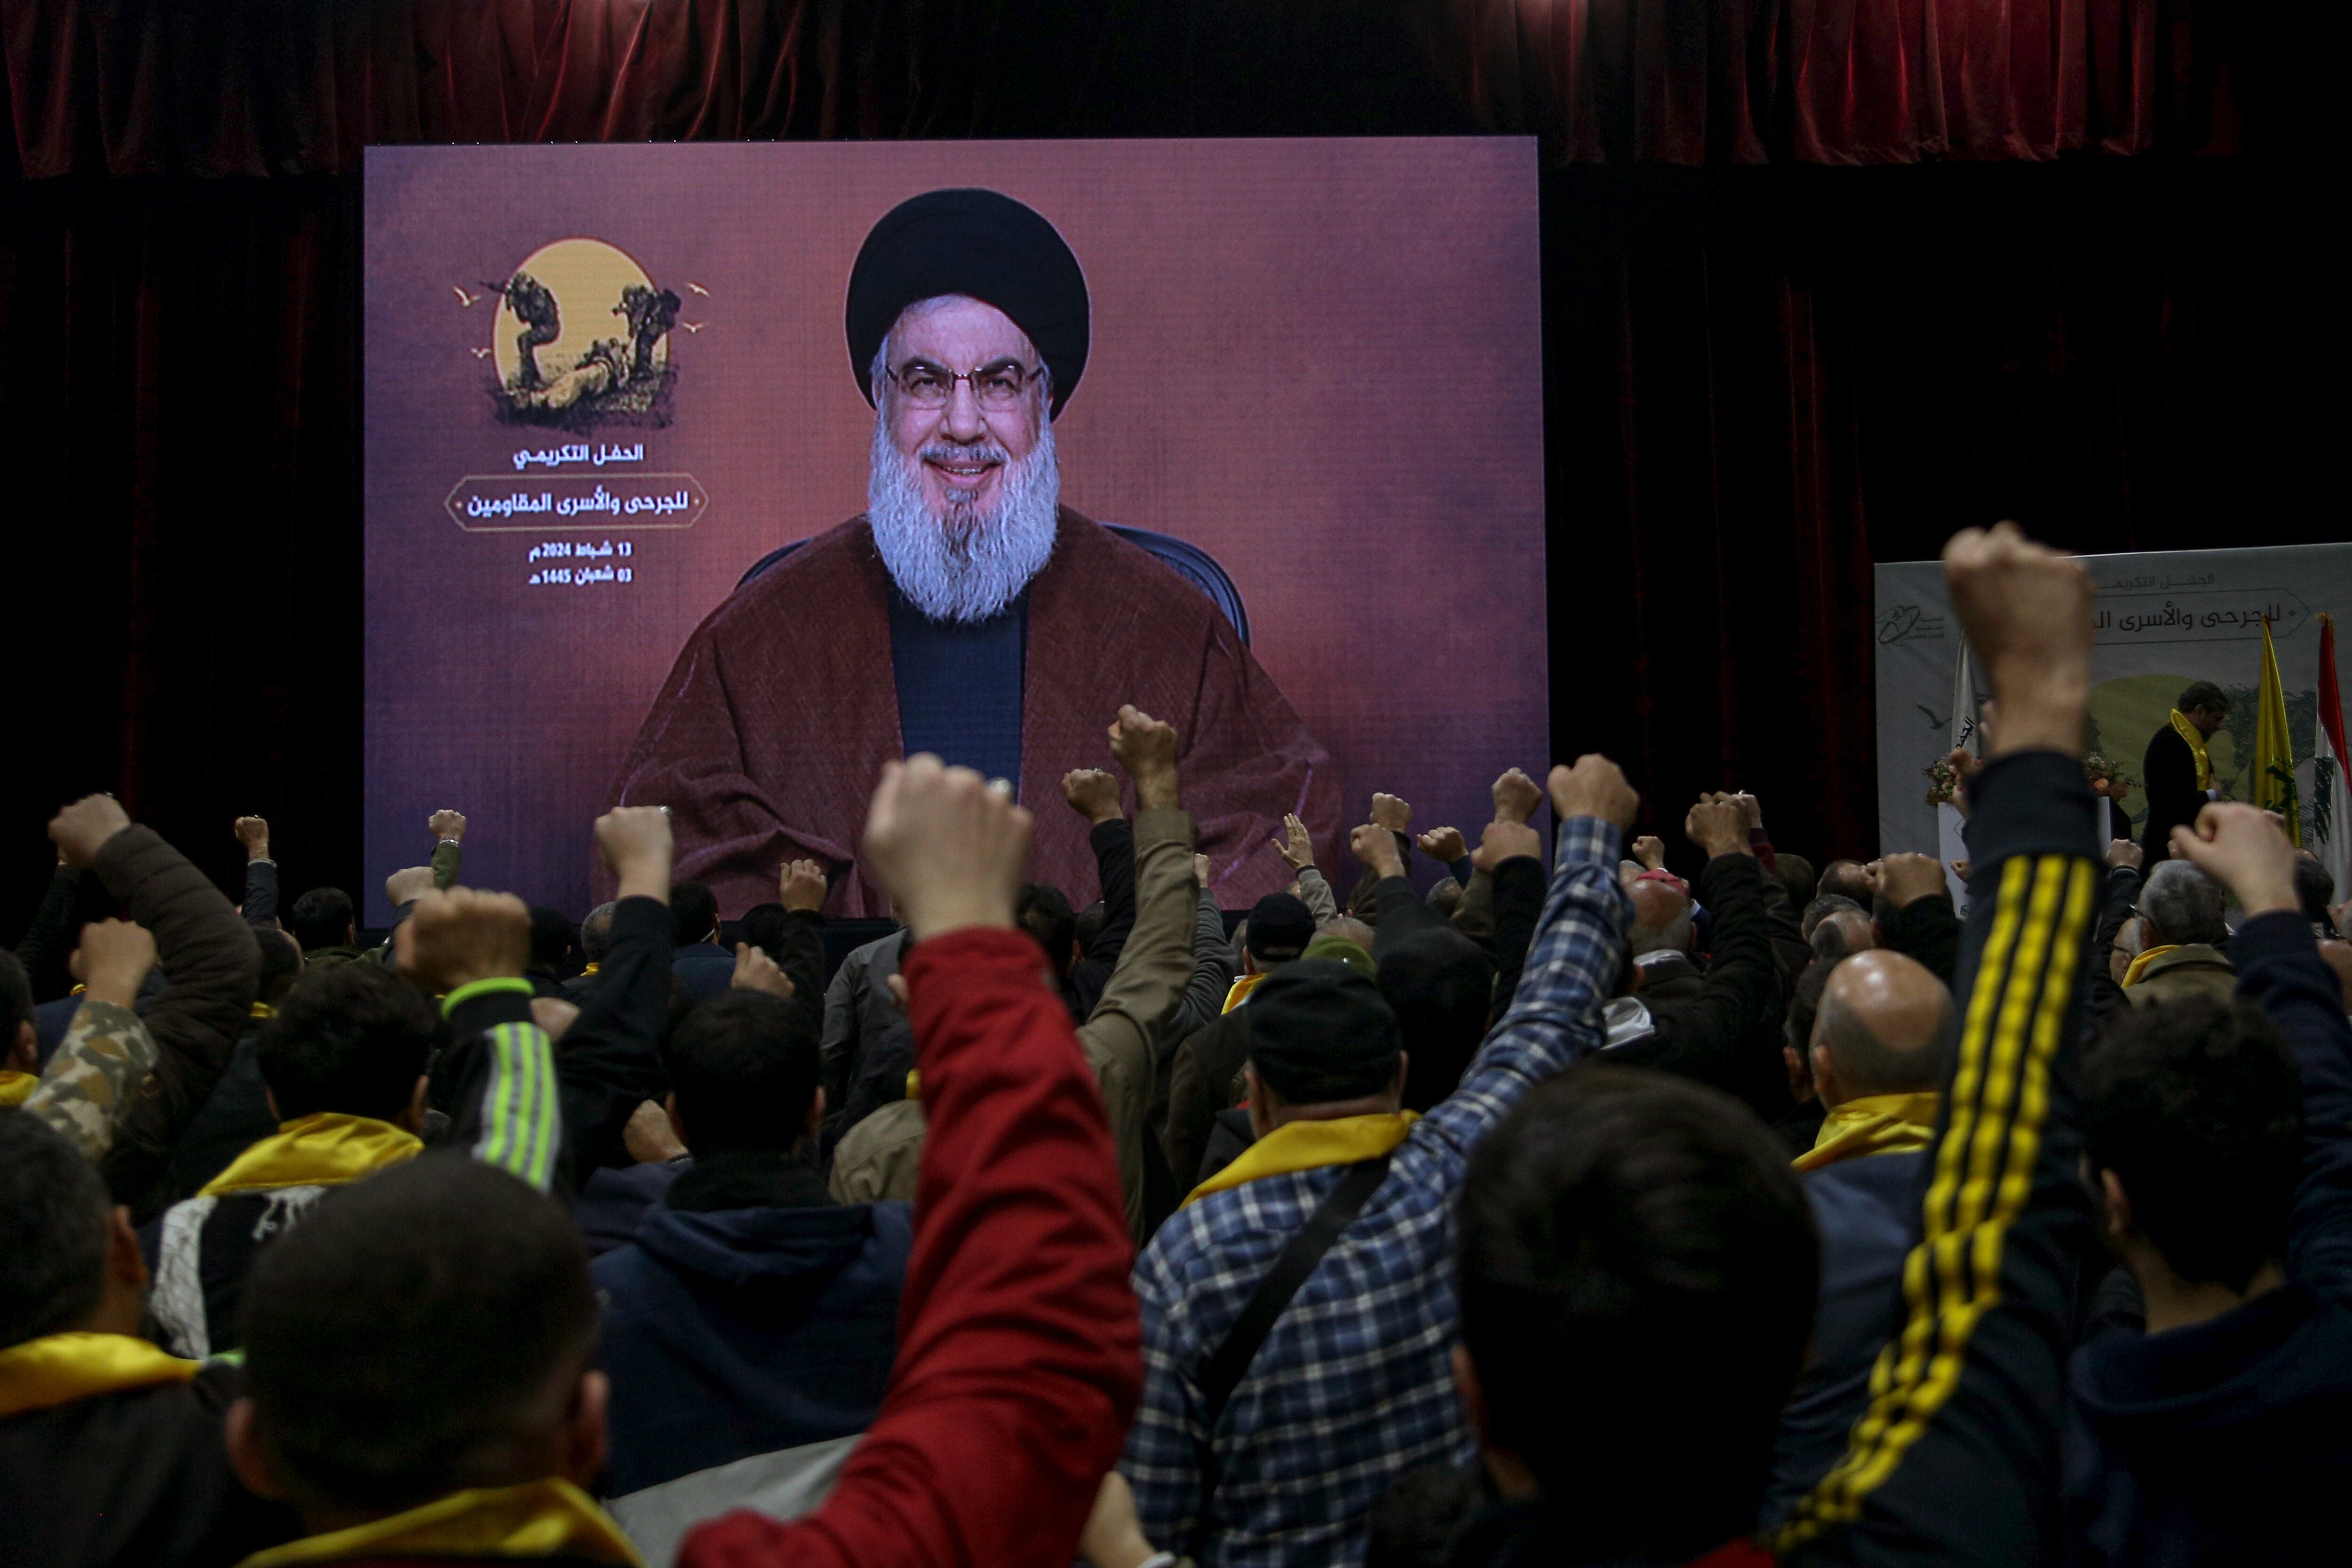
(1317, 359)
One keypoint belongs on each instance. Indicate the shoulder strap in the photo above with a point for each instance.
(1299, 1259)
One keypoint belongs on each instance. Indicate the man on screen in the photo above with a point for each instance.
(967, 611)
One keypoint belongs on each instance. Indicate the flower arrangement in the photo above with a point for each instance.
(2105, 778)
(1943, 782)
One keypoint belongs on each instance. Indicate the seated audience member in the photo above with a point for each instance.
(1879, 1035)
(236, 1114)
(1720, 1027)
(1204, 1078)
(1122, 1036)
(342, 1064)
(1272, 1452)
(1637, 1277)
(110, 1450)
(552, 937)
(596, 945)
(1847, 880)
(749, 1331)
(2182, 928)
(324, 921)
(704, 967)
(419, 1350)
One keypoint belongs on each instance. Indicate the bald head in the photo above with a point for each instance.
(1662, 919)
(1884, 1026)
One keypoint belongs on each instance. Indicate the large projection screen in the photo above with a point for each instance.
(604, 382)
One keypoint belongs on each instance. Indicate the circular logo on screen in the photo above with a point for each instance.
(581, 338)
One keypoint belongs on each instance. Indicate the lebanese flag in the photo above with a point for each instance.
(2335, 848)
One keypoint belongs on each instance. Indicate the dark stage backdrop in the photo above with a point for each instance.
(1761, 373)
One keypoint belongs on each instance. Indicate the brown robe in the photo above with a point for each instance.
(768, 736)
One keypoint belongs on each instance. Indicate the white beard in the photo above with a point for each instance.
(966, 563)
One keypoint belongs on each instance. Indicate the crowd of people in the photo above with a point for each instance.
(1571, 1213)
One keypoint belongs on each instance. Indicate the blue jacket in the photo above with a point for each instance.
(703, 969)
(748, 1346)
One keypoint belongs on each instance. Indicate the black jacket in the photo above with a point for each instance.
(1722, 1027)
(138, 1477)
(2168, 780)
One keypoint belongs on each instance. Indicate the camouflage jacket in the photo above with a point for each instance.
(93, 1079)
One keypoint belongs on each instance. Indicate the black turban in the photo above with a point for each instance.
(981, 244)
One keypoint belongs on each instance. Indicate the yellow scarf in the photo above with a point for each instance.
(1874, 1124)
(2139, 966)
(324, 1149)
(2196, 739)
(15, 1088)
(1242, 987)
(1308, 1145)
(538, 1518)
(57, 1369)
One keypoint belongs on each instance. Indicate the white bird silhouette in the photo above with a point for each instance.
(693, 326)
(481, 353)
(699, 289)
(462, 298)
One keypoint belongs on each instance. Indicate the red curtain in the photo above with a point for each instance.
(1761, 379)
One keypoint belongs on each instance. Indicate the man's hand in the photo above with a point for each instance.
(1375, 846)
(1093, 795)
(254, 834)
(649, 1137)
(1903, 879)
(755, 971)
(1595, 787)
(1506, 840)
(447, 824)
(802, 886)
(1296, 846)
(1960, 870)
(1444, 845)
(948, 849)
(2027, 613)
(1146, 748)
(2241, 847)
(403, 885)
(455, 938)
(1516, 796)
(1751, 810)
(1715, 826)
(2123, 852)
(83, 828)
(1202, 871)
(112, 960)
(1650, 852)
(636, 843)
(1391, 814)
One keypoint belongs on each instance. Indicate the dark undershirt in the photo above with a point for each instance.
(959, 685)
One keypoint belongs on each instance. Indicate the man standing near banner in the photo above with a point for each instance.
(2177, 773)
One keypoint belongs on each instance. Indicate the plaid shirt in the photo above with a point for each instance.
(1354, 1385)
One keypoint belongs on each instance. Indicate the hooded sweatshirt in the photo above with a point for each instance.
(749, 1334)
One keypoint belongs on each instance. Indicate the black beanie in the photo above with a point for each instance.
(1318, 1031)
(1280, 927)
(981, 244)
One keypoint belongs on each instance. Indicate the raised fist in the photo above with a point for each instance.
(1715, 826)
(81, 829)
(254, 834)
(1391, 813)
(455, 938)
(2243, 848)
(1506, 840)
(1092, 793)
(2027, 613)
(1516, 796)
(1650, 852)
(1444, 845)
(755, 971)
(1145, 747)
(1376, 846)
(1202, 871)
(447, 824)
(112, 960)
(1596, 788)
(636, 844)
(2122, 852)
(803, 886)
(948, 850)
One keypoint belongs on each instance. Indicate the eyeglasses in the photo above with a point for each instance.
(998, 388)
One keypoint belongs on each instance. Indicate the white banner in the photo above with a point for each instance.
(2163, 620)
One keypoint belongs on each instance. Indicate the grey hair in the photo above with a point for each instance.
(596, 932)
(2184, 904)
(877, 373)
(1674, 936)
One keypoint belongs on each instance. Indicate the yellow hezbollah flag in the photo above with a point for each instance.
(2273, 753)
